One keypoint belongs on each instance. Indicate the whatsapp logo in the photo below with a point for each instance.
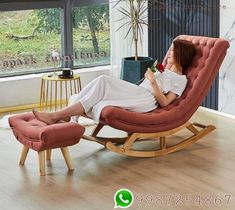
(123, 198)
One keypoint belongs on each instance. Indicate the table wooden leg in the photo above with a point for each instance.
(41, 95)
(51, 91)
(55, 95)
(71, 88)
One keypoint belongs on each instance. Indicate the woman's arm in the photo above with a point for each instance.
(162, 99)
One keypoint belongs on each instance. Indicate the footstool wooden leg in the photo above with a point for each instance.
(23, 156)
(48, 154)
(67, 158)
(41, 158)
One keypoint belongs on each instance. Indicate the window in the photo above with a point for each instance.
(39, 37)
(91, 43)
(28, 40)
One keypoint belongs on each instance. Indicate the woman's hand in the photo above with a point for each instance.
(150, 75)
(162, 99)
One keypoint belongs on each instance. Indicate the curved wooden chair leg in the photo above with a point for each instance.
(130, 140)
(113, 143)
(162, 142)
(134, 153)
(192, 129)
(126, 148)
(191, 140)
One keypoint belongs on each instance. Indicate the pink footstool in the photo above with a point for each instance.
(41, 137)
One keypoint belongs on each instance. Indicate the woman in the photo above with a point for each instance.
(157, 89)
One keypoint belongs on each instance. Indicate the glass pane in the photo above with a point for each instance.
(29, 40)
(91, 39)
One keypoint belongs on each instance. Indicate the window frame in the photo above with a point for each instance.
(66, 7)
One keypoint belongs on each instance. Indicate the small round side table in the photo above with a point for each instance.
(55, 91)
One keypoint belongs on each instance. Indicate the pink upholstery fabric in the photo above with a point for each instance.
(209, 56)
(40, 136)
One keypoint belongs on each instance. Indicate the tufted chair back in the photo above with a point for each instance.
(210, 53)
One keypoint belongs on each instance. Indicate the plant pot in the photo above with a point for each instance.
(132, 71)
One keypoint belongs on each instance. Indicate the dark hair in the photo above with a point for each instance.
(184, 52)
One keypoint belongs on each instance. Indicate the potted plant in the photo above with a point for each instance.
(133, 68)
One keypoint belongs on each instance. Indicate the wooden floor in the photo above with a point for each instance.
(201, 176)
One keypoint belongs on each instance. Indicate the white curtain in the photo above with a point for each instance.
(119, 45)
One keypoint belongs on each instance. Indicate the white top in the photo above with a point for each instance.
(168, 81)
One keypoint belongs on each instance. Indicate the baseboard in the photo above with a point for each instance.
(217, 112)
(18, 108)
(27, 107)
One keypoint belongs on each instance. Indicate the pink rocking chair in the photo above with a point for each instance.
(166, 121)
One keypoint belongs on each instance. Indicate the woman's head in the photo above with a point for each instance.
(183, 53)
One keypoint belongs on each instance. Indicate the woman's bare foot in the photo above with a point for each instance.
(45, 117)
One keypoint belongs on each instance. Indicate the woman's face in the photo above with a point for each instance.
(171, 55)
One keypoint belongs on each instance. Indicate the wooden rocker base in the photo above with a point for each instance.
(127, 142)
(46, 155)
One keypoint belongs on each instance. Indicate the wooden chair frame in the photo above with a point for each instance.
(127, 142)
(210, 53)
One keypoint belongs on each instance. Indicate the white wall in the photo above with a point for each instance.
(21, 90)
(227, 72)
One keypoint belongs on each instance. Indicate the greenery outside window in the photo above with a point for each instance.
(43, 36)
(28, 41)
(91, 41)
